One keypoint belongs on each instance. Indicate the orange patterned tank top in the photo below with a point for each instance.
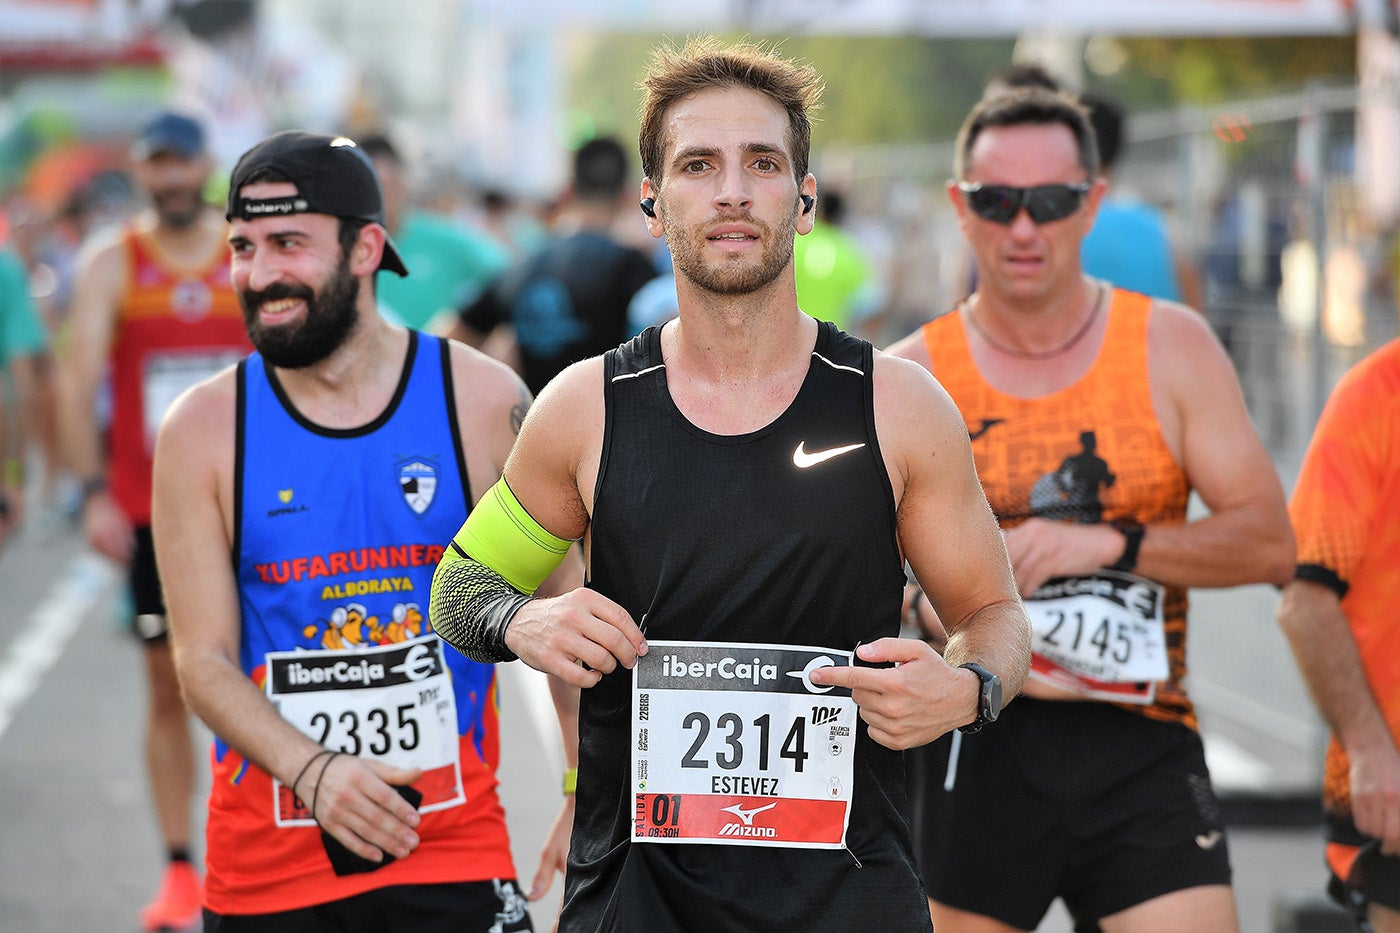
(1091, 452)
(1344, 510)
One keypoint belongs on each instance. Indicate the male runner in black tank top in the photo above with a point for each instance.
(749, 483)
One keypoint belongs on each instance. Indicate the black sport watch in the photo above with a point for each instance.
(988, 699)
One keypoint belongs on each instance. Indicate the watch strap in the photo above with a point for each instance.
(1132, 533)
(988, 698)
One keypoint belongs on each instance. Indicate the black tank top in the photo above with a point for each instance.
(727, 538)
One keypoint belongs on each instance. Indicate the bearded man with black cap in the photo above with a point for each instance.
(301, 501)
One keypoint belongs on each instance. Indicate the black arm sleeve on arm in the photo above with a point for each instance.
(470, 606)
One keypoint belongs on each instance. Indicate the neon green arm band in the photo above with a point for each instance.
(490, 569)
(502, 535)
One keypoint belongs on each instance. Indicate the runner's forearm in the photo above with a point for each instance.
(1311, 617)
(1248, 544)
(238, 712)
(997, 637)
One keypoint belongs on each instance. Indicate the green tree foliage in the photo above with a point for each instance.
(1214, 69)
(878, 90)
(906, 89)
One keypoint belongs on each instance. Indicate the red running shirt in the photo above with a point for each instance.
(175, 326)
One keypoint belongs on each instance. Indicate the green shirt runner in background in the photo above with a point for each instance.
(450, 265)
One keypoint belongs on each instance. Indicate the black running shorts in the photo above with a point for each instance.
(462, 907)
(1083, 801)
(1361, 875)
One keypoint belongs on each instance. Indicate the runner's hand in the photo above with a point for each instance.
(1041, 549)
(912, 703)
(107, 529)
(1375, 793)
(554, 856)
(561, 635)
(355, 804)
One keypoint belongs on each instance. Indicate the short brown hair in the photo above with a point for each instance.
(1029, 105)
(705, 63)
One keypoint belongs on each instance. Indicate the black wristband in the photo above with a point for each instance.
(1132, 532)
(470, 606)
(498, 616)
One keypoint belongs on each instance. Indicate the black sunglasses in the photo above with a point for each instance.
(1045, 203)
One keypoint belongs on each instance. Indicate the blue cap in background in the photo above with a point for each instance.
(171, 133)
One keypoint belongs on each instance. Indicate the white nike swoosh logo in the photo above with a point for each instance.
(802, 460)
(1208, 840)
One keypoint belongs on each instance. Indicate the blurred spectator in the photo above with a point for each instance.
(30, 229)
(512, 227)
(834, 281)
(154, 307)
(569, 301)
(22, 343)
(1024, 74)
(1128, 244)
(1243, 266)
(450, 264)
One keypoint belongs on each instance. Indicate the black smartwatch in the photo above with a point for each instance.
(988, 699)
(1132, 533)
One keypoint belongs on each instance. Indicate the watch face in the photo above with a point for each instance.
(988, 698)
(991, 698)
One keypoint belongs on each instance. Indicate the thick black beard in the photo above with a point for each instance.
(331, 317)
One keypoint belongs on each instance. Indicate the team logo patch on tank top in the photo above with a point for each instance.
(418, 481)
(191, 299)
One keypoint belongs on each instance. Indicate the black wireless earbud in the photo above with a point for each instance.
(649, 206)
(808, 202)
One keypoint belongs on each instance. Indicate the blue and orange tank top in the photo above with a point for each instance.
(1092, 452)
(175, 326)
(337, 534)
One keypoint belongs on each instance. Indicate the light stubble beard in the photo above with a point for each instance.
(731, 276)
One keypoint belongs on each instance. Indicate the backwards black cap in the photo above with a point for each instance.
(332, 176)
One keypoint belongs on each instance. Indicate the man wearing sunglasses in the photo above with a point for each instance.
(1094, 412)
